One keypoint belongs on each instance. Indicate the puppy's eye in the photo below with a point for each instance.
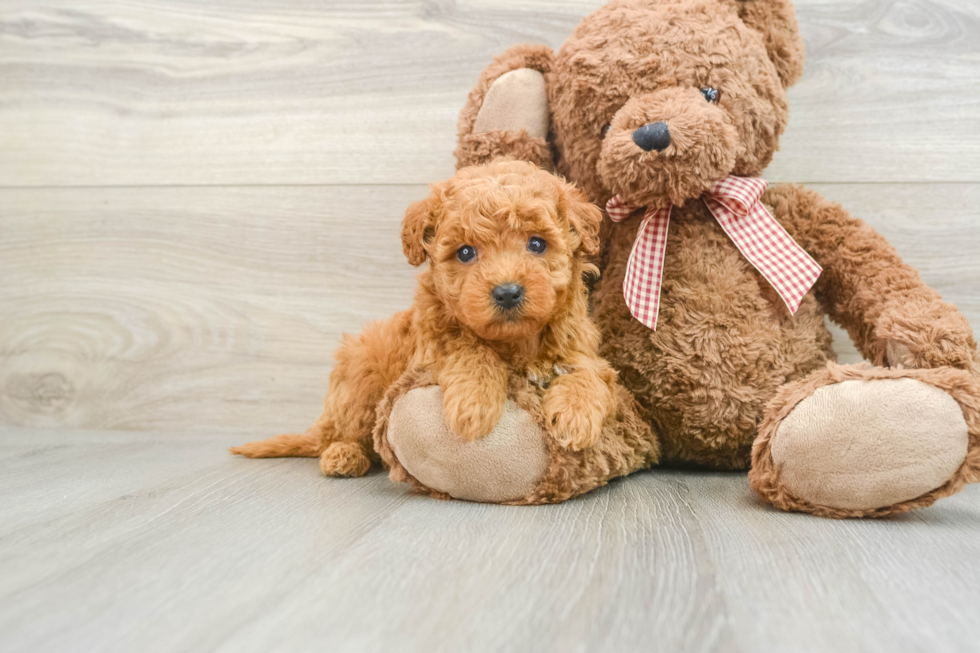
(466, 253)
(605, 130)
(710, 94)
(536, 245)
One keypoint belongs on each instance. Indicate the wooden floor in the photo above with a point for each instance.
(114, 541)
(198, 198)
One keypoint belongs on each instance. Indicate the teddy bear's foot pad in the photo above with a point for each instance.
(517, 100)
(861, 445)
(506, 465)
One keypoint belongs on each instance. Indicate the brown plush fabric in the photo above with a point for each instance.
(725, 343)
(625, 446)
(480, 149)
(869, 290)
(775, 20)
(766, 477)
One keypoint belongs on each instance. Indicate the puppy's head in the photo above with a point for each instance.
(505, 243)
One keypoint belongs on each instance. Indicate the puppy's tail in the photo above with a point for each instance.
(281, 446)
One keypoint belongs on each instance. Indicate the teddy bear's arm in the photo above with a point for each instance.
(892, 316)
(507, 113)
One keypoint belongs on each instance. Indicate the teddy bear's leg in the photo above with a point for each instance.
(853, 441)
(505, 465)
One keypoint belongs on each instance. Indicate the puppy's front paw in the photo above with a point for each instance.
(472, 412)
(575, 416)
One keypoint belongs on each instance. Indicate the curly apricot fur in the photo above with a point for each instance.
(455, 330)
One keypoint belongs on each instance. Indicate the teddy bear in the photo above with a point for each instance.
(714, 286)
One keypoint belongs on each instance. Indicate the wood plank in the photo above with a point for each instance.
(199, 528)
(164, 92)
(239, 555)
(887, 93)
(859, 585)
(136, 308)
(218, 309)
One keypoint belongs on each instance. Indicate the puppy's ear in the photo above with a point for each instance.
(776, 21)
(419, 228)
(584, 218)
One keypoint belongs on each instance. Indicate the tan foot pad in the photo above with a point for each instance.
(506, 465)
(866, 444)
(516, 100)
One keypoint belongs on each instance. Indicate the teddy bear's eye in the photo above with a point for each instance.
(710, 94)
(536, 245)
(466, 253)
(605, 129)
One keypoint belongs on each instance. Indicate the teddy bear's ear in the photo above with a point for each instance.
(583, 216)
(418, 227)
(507, 113)
(776, 21)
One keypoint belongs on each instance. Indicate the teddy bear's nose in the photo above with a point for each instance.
(653, 136)
(508, 295)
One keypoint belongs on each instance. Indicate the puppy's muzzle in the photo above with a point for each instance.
(508, 295)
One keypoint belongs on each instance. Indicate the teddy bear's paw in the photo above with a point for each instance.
(506, 465)
(517, 100)
(344, 459)
(863, 446)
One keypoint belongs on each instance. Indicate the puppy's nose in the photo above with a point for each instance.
(654, 136)
(508, 295)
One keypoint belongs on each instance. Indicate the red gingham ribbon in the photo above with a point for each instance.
(734, 201)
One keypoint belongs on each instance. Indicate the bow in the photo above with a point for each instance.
(734, 201)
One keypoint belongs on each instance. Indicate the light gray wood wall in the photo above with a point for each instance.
(196, 199)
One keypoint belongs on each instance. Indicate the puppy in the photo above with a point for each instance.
(503, 294)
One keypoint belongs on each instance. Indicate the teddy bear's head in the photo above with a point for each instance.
(657, 99)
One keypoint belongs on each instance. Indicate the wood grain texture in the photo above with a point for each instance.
(199, 308)
(164, 92)
(218, 309)
(163, 542)
(197, 199)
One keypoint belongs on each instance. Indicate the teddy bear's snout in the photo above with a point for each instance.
(667, 144)
(652, 136)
